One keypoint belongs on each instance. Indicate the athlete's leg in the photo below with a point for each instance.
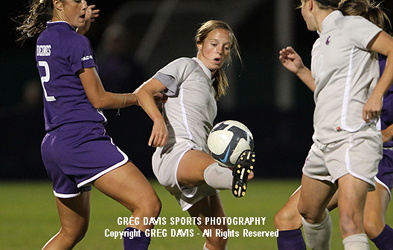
(210, 207)
(129, 186)
(74, 216)
(192, 166)
(314, 198)
(288, 217)
(289, 221)
(375, 210)
(374, 218)
(352, 196)
(197, 167)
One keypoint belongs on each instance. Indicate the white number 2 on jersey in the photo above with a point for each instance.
(45, 79)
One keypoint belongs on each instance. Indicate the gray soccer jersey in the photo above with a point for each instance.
(345, 74)
(191, 107)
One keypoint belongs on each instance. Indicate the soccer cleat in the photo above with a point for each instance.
(244, 165)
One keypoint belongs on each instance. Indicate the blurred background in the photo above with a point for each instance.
(134, 39)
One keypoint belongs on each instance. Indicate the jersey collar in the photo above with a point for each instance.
(59, 24)
(203, 66)
(330, 19)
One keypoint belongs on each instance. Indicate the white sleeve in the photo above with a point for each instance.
(175, 73)
(169, 82)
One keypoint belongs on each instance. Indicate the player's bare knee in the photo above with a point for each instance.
(305, 213)
(312, 218)
(287, 220)
(150, 207)
(348, 225)
(311, 215)
(73, 235)
(373, 227)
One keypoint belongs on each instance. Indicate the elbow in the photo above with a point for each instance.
(139, 92)
(99, 104)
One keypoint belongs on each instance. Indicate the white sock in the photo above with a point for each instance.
(218, 177)
(356, 242)
(318, 235)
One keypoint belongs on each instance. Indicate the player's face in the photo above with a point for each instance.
(73, 12)
(215, 49)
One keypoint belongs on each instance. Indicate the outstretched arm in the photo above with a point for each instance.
(100, 98)
(293, 62)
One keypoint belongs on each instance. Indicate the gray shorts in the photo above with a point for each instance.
(165, 163)
(357, 155)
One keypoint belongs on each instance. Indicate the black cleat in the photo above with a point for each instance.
(244, 166)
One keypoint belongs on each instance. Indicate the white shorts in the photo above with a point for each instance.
(165, 163)
(357, 155)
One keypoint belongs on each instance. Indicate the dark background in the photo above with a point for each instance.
(282, 137)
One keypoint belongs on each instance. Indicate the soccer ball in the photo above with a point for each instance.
(227, 140)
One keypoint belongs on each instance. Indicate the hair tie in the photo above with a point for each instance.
(370, 8)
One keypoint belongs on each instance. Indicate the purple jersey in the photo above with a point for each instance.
(387, 110)
(385, 167)
(60, 53)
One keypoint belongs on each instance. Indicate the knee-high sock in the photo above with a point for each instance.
(134, 239)
(290, 240)
(384, 241)
(318, 235)
(218, 177)
(356, 242)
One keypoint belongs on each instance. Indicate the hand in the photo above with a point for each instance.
(291, 60)
(372, 108)
(159, 134)
(90, 16)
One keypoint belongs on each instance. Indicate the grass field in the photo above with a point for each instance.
(28, 217)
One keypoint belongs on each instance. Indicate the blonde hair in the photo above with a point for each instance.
(221, 81)
(34, 22)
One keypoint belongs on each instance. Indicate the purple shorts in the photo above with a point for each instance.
(76, 154)
(385, 170)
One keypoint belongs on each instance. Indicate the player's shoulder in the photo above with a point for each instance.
(74, 37)
(183, 64)
(186, 61)
(350, 23)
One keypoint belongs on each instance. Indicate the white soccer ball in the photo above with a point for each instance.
(227, 140)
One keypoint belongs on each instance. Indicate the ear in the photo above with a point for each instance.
(311, 5)
(199, 45)
(57, 4)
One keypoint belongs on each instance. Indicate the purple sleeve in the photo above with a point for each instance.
(82, 56)
(382, 63)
